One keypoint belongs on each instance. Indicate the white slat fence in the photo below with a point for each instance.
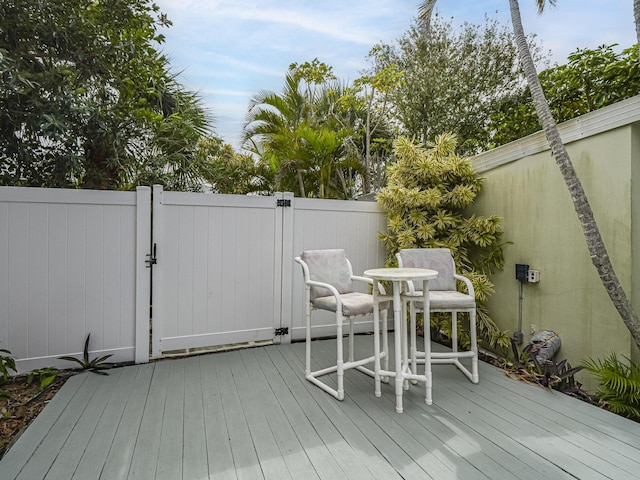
(74, 262)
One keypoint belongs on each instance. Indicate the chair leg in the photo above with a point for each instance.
(412, 315)
(340, 359)
(454, 331)
(307, 366)
(351, 341)
(376, 347)
(474, 347)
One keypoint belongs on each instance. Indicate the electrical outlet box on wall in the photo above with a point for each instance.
(533, 276)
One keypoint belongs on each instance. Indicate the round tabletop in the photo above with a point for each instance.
(401, 274)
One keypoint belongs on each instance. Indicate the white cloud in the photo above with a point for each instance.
(231, 49)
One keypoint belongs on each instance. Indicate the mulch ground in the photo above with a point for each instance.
(20, 404)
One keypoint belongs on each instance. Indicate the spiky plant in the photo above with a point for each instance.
(425, 201)
(619, 389)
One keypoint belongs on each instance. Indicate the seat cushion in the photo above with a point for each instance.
(354, 303)
(447, 299)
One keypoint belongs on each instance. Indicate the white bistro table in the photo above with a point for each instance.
(402, 373)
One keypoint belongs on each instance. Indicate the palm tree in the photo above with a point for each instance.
(595, 244)
(597, 249)
(269, 131)
(299, 137)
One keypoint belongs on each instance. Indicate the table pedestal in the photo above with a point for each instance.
(402, 372)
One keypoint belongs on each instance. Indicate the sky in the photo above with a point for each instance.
(230, 50)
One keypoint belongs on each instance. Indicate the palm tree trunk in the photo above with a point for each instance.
(597, 250)
(367, 144)
(300, 183)
(636, 14)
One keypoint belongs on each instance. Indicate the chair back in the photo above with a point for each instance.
(439, 259)
(327, 266)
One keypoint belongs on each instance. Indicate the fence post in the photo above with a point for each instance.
(143, 274)
(285, 260)
(157, 275)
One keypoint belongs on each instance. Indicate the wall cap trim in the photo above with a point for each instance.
(604, 119)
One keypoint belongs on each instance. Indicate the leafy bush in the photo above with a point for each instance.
(46, 376)
(591, 79)
(619, 389)
(7, 362)
(549, 373)
(427, 192)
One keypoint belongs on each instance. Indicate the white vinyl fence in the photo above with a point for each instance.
(217, 269)
(72, 264)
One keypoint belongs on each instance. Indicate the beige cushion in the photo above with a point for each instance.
(328, 266)
(438, 259)
(354, 303)
(447, 300)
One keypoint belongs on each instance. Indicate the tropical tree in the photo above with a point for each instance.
(591, 79)
(297, 134)
(371, 94)
(269, 132)
(86, 95)
(636, 15)
(428, 191)
(455, 80)
(230, 172)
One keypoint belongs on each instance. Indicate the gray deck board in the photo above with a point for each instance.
(97, 450)
(250, 414)
(194, 447)
(296, 416)
(219, 454)
(551, 436)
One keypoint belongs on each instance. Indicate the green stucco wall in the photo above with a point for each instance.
(544, 231)
(635, 222)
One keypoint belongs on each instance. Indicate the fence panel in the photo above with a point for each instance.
(68, 268)
(74, 262)
(319, 224)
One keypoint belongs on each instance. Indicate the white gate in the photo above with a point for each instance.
(225, 272)
(217, 276)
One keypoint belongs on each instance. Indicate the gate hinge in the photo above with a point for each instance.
(283, 202)
(281, 331)
(152, 260)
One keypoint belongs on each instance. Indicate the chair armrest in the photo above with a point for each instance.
(370, 282)
(467, 282)
(328, 286)
(362, 279)
(411, 289)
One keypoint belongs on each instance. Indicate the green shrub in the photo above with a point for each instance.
(7, 362)
(85, 363)
(619, 389)
(425, 201)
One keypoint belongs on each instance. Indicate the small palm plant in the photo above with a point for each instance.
(619, 389)
(95, 365)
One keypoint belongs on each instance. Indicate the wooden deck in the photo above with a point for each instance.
(249, 414)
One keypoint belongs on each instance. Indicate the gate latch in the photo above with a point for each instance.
(152, 260)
